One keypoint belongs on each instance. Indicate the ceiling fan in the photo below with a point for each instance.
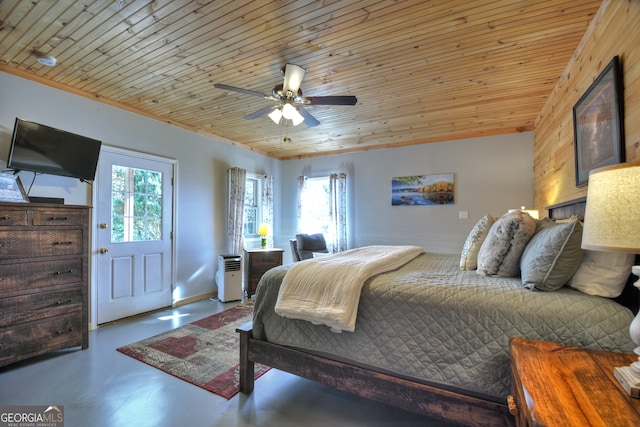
(290, 100)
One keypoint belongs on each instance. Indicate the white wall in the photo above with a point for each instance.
(492, 174)
(202, 165)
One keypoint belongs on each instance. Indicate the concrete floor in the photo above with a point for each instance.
(102, 387)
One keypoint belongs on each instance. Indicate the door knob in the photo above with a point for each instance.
(103, 225)
(103, 250)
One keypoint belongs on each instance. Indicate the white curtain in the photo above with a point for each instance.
(338, 210)
(302, 184)
(235, 226)
(267, 205)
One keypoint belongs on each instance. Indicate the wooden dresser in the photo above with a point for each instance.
(43, 279)
(256, 263)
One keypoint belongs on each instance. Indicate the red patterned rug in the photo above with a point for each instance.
(204, 353)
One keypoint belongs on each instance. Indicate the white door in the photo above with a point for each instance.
(134, 215)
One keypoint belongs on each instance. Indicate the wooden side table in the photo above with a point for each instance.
(256, 263)
(556, 385)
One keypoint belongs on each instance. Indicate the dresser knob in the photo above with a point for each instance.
(513, 406)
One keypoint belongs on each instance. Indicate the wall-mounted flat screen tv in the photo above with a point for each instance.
(43, 149)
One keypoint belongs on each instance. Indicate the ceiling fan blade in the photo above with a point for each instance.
(237, 89)
(309, 120)
(329, 100)
(293, 75)
(260, 112)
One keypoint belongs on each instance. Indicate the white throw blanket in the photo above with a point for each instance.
(327, 290)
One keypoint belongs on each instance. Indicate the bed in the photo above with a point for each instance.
(431, 337)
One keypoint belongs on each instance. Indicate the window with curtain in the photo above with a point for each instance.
(322, 208)
(314, 201)
(250, 205)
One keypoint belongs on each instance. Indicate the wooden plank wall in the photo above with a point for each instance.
(614, 31)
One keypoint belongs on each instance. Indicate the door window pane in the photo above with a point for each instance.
(136, 204)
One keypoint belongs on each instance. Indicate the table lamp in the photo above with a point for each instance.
(612, 223)
(262, 232)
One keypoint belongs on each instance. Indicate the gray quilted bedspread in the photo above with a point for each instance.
(432, 321)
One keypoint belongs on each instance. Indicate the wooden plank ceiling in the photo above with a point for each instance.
(423, 71)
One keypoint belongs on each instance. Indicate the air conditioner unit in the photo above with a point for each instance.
(229, 277)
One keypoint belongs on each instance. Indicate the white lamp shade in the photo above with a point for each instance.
(612, 215)
(288, 111)
(275, 115)
(297, 118)
(293, 75)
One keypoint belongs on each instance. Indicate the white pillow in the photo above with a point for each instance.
(603, 273)
(321, 254)
(469, 255)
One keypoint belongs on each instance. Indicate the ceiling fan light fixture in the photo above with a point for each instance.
(293, 75)
(297, 118)
(289, 95)
(45, 59)
(275, 115)
(288, 111)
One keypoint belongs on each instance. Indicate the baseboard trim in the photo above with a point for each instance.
(195, 298)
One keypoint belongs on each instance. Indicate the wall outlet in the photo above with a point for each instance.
(463, 215)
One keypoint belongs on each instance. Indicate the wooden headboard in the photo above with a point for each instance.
(564, 210)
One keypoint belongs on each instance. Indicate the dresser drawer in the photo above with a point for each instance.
(266, 260)
(28, 276)
(58, 217)
(36, 306)
(21, 244)
(13, 217)
(33, 338)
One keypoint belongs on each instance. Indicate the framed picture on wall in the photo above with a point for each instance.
(423, 190)
(598, 124)
(11, 189)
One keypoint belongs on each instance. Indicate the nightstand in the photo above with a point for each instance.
(256, 263)
(556, 385)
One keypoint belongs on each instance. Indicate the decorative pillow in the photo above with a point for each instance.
(500, 253)
(469, 256)
(603, 273)
(552, 255)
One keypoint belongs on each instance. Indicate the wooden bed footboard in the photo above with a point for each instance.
(409, 395)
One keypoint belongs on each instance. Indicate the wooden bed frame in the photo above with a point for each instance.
(409, 394)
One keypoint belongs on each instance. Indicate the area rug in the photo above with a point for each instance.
(205, 353)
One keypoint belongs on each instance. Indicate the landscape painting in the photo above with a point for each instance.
(423, 190)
